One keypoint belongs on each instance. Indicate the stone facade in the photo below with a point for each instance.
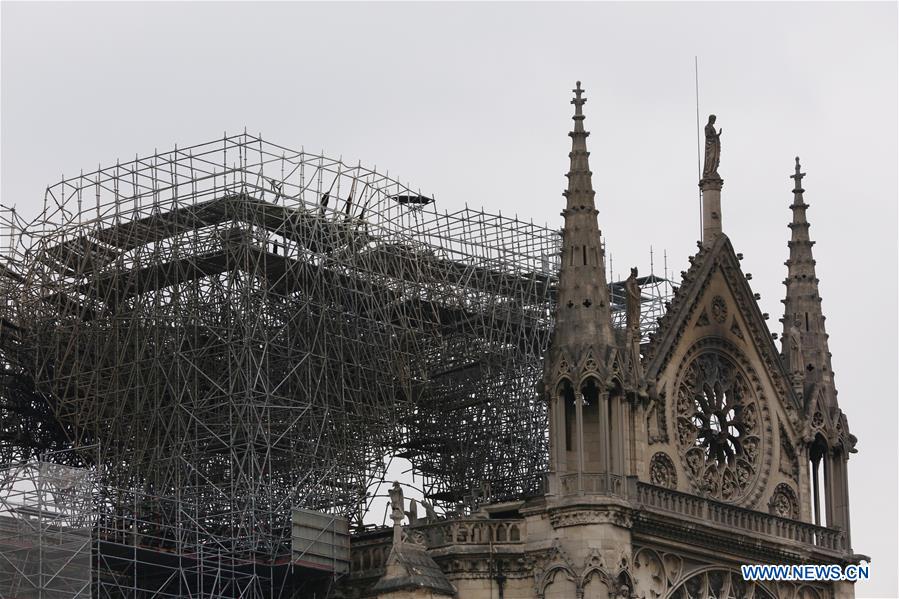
(671, 463)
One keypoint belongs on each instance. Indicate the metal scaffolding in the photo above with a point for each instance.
(243, 329)
(47, 515)
(28, 427)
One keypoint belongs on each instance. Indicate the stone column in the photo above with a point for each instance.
(805, 488)
(829, 494)
(844, 485)
(640, 430)
(616, 430)
(557, 429)
(629, 447)
(554, 455)
(711, 209)
(614, 434)
(604, 429)
(579, 434)
(622, 435)
(816, 491)
(840, 493)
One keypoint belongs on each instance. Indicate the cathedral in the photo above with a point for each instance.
(205, 365)
(673, 462)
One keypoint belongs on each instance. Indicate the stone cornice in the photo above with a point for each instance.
(650, 526)
(711, 184)
(686, 518)
(582, 515)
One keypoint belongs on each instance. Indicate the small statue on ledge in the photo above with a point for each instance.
(712, 150)
(794, 350)
(632, 305)
(397, 513)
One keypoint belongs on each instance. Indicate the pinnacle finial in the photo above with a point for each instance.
(798, 177)
(578, 100)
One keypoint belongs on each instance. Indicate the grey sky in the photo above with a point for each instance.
(470, 102)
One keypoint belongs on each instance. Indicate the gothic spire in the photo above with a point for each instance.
(583, 316)
(803, 321)
(580, 185)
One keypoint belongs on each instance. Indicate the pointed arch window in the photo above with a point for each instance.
(817, 456)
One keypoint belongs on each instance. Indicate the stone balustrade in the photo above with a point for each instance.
(370, 559)
(473, 532)
(590, 483)
(736, 518)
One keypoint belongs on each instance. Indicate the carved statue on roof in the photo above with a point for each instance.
(397, 514)
(793, 344)
(712, 150)
(430, 514)
(632, 311)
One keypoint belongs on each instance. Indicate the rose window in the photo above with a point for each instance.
(718, 427)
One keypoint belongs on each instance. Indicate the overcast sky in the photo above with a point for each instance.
(470, 102)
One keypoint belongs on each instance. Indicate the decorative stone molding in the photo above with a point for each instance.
(485, 567)
(659, 574)
(722, 583)
(719, 309)
(711, 184)
(784, 503)
(608, 514)
(549, 564)
(703, 319)
(845, 439)
(817, 421)
(656, 421)
(564, 369)
(650, 580)
(545, 565)
(475, 532)
(593, 561)
(662, 471)
(590, 365)
(414, 537)
(789, 462)
(736, 330)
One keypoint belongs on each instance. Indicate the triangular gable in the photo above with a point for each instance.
(745, 321)
(817, 404)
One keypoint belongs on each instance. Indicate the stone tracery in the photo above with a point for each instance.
(719, 309)
(718, 584)
(662, 471)
(784, 502)
(719, 426)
